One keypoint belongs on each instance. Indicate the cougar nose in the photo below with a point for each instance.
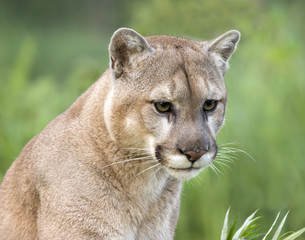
(194, 155)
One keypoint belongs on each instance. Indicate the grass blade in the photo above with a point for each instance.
(295, 235)
(246, 224)
(268, 233)
(279, 229)
(224, 232)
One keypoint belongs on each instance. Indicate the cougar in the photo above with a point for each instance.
(112, 165)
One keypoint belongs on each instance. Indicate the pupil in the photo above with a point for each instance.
(164, 105)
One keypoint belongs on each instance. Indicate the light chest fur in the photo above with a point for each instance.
(112, 165)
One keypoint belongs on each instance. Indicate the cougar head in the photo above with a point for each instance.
(168, 95)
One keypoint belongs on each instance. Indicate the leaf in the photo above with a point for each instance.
(246, 224)
(268, 233)
(252, 230)
(255, 236)
(230, 235)
(279, 229)
(224, 232)
(295, 235)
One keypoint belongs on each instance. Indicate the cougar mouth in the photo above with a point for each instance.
(183, 173)
(178, 165)
(185, 169)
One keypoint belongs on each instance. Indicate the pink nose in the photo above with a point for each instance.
(194, 155)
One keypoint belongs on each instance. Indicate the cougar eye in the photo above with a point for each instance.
(163, 107)
(209, 105)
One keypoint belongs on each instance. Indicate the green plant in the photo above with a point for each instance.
(251, 229)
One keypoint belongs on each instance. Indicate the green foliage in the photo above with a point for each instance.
(29, 101)
(192, 18)
(250, 230)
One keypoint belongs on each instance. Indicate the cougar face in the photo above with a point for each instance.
(188, 115)
(175, 110)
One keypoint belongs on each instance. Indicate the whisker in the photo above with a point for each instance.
(211, 166)
(191, 183)
(225, 160)
(136, 149)
(226, 153)
(157, 170)
(127, 160)
(129, 156)
(234, 150)
(226, 156)
(145, 171)
(219, 170)
(148, 169)
(223, 165)
(198, 179)
(215, 169)
(146, 162)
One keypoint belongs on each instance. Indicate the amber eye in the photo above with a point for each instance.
(210, 105)
(163, 107)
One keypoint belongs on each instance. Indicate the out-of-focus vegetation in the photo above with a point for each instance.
(251, 229)
(51, 51)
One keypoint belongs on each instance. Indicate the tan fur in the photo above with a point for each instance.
(111, 166)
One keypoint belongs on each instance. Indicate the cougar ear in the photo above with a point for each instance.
(222, 48)
(124, 45)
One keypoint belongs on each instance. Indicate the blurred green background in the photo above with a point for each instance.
(51, 51)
